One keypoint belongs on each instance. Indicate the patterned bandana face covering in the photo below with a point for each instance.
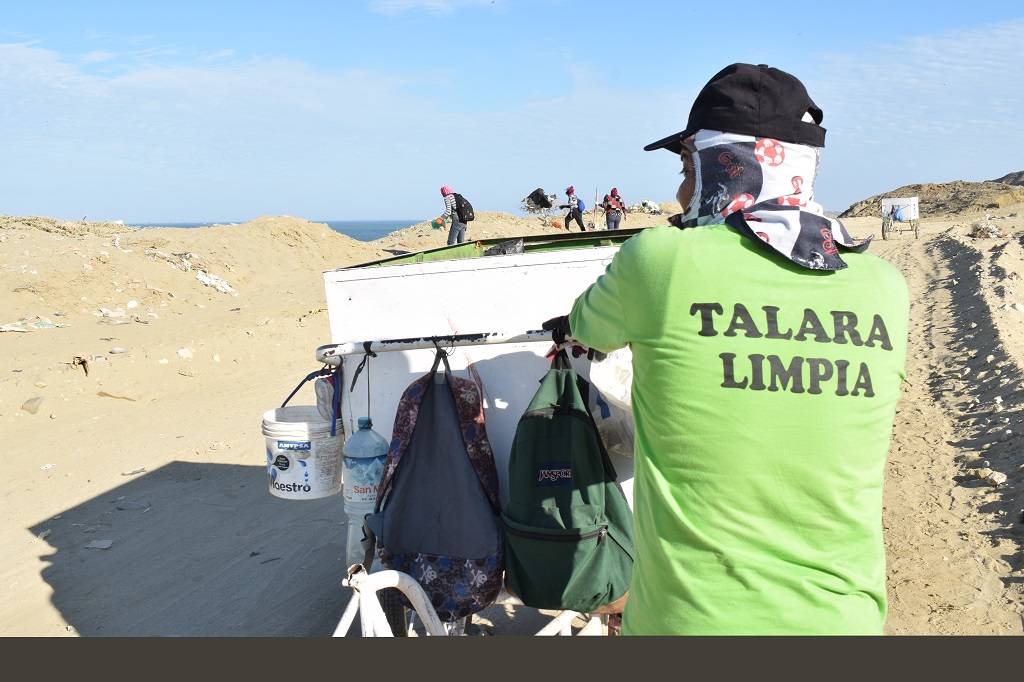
(764, 189)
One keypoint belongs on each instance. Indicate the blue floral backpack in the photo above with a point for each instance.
(437, 515)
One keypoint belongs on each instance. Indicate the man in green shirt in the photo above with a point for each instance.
(766, 372)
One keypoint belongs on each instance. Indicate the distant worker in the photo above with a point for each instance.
(614, 209)
(622, 202)
(457, 231)
(576, 208)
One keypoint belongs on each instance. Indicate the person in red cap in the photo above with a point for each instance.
(768, 352)
(575, 207)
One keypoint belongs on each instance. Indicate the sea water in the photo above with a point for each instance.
(360, 230)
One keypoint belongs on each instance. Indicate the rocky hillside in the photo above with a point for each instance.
(957, 198)
(1011, 178)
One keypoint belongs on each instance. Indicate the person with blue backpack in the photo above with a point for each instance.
(576, 208)
(768, 355)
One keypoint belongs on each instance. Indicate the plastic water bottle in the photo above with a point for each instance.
(364, 454)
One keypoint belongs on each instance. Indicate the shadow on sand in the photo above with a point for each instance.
(204, 550)
(198, 550)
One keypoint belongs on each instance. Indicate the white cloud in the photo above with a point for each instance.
(436, 7)
(136, 136)
(98, 56)
(926, 109)
(218, 56)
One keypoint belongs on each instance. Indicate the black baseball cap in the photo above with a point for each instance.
(752, 100)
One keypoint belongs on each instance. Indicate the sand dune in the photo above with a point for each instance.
(138, 364)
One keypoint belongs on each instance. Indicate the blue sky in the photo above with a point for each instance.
(225, 111)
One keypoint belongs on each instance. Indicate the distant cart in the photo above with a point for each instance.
(901, 210)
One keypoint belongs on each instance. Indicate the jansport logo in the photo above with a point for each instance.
(554, 473)
(294, 445)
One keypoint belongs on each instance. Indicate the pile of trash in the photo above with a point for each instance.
(67, 227)
(539, 202)
(645, 206)
(986, 229)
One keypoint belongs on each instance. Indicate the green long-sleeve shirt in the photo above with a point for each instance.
(763, 398)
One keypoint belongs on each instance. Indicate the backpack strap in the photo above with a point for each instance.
(439, 357)
(470, 410)
(322, 372)
(561, 361)
(339, 379)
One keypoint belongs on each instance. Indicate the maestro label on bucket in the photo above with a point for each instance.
(303, 457)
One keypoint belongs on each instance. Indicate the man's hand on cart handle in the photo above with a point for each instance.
(561, 334)
(559, 328)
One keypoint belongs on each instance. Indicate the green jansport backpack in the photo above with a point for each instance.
(568, 526)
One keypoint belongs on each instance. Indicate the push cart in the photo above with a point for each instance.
(485, 301)
(903, 211)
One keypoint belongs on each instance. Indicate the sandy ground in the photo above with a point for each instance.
(138, 365)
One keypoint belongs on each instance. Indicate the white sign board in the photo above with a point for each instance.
(901, 208)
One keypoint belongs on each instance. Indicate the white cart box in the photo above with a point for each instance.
(410, 300)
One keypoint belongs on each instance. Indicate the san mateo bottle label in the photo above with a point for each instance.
(362, 479)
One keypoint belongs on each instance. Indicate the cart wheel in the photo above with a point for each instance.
(886, 228)
(915, 229)
(394, 610)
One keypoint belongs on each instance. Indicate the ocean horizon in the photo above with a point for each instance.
(360, 230)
